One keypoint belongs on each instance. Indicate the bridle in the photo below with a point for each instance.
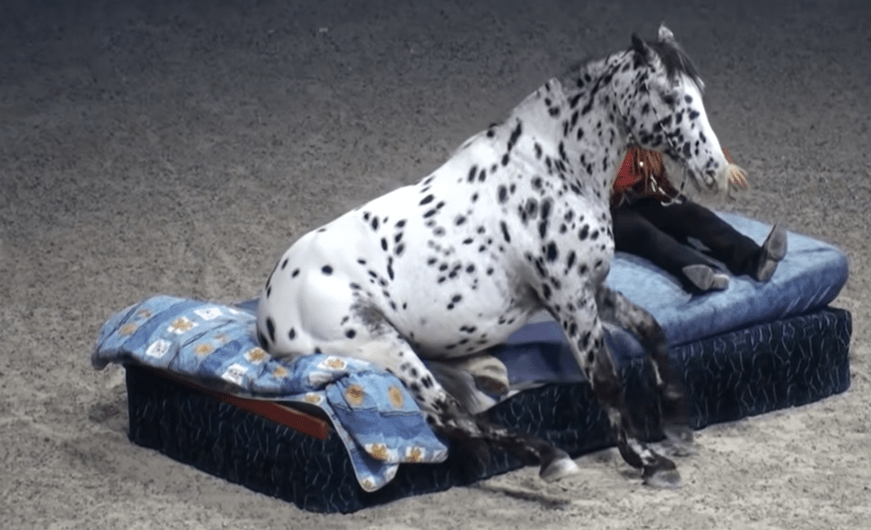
(632, 140)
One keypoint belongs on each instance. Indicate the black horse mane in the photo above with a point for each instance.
(673, 57)
(670, 52)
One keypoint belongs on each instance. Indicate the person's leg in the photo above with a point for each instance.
(635, 234)
(738, 252)
(773, 250)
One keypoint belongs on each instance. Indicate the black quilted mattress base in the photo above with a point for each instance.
(742, 373)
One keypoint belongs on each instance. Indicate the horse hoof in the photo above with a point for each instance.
(679, 434)
(661, 473)
(663, 478)
(489, 373)
(495, 386)
(670, 447)
(678, 441)
(560, 466)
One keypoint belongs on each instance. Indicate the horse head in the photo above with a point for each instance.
(661, 105)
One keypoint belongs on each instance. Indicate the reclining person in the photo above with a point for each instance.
(661, 233)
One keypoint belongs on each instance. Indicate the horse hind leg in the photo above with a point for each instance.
(454, 421)
(617, 309)
(477, 381)
(473, 381)
(446, 414)
(384, 346)
(554, 463)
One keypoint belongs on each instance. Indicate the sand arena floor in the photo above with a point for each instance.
(158, 146)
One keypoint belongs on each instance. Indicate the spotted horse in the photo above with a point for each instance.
(516, 221)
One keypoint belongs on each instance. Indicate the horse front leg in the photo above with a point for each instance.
(584, 330)
(620, 311)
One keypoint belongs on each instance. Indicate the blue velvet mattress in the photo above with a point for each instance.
(198, 383)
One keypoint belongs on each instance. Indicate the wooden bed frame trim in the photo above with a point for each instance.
(279, 412)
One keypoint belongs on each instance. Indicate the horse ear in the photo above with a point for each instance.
(642, 50)
(639, 45)
(665, 34)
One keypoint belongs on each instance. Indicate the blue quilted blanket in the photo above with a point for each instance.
(213, 344)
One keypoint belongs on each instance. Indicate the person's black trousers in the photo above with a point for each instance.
(661, 234)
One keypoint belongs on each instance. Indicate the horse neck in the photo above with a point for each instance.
(585, 98)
